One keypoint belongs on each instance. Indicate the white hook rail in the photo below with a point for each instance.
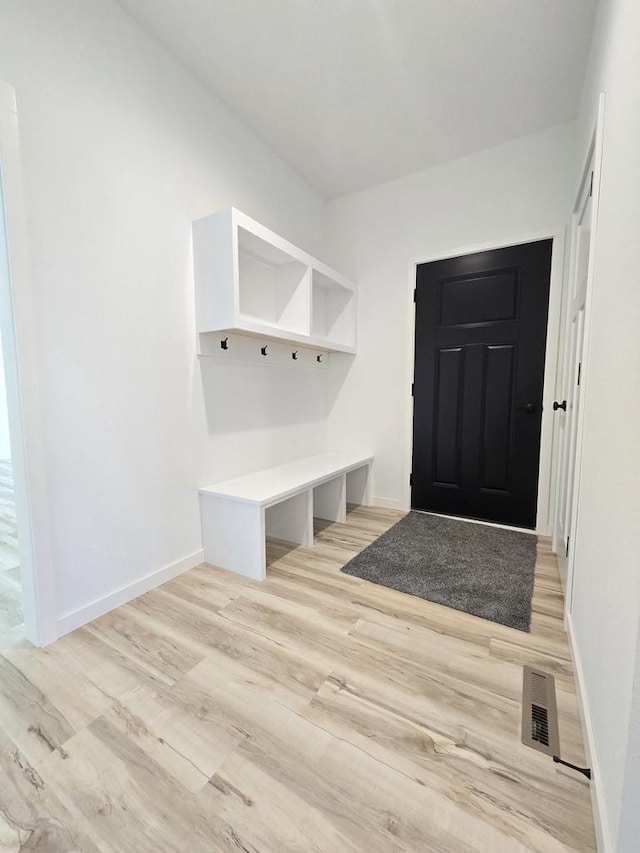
(231, 347)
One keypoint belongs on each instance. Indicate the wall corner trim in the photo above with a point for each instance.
(77, 618)
(603, 834)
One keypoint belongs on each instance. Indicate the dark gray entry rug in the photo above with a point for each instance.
(482, 570)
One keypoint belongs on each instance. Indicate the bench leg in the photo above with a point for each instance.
(359, 486)
(329, 500)
(233, 535)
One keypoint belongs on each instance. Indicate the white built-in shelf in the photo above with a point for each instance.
(282, 502)
(251, 281)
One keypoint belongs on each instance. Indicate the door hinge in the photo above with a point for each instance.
(415, 294)
(413, 389)
(579, 372)
(591, 186)
(411, 479)
(566, 553)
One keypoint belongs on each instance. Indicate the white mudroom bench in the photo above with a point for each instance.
(281, 502)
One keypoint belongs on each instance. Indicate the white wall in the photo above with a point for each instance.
(121, 150)
(516, 189)
(606, 602)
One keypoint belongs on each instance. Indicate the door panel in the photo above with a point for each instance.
(499, 377)
(575, 314)
(449, 371)
(486, 299)
(480, 343)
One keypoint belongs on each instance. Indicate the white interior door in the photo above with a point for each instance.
(575, 315)
(571, 385)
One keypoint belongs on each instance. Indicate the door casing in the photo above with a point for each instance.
(505, 331)
(19, 344)
(546, 494)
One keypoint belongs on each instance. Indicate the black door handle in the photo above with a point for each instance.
(562, 405)
(529, 408)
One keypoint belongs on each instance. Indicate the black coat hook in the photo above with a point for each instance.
(224, 344)
(263, 350)
(294, 355)
(319, 358)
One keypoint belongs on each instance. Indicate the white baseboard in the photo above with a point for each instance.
(603, 834)
(77, 618)
(387, 503)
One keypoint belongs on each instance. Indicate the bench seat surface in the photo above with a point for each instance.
(275, 484)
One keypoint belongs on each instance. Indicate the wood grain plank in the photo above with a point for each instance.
(313, 711)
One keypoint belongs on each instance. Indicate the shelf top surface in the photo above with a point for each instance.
(263, 241)
(273, 484)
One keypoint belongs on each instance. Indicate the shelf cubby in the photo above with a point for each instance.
(251, 281)
(333, 307)
(273, 287)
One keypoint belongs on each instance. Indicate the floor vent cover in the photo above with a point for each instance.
(539, 711)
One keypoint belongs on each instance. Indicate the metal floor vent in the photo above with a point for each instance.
(540, 711)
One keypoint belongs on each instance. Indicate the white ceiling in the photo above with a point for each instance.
(351, 93)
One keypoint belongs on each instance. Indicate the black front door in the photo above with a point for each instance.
(481, 323)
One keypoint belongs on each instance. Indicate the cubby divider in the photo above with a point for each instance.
(330, 500)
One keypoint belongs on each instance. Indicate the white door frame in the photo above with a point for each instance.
(546, 495)
(592, 161)
(18, 330)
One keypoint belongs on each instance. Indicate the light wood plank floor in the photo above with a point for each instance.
(312, 712)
